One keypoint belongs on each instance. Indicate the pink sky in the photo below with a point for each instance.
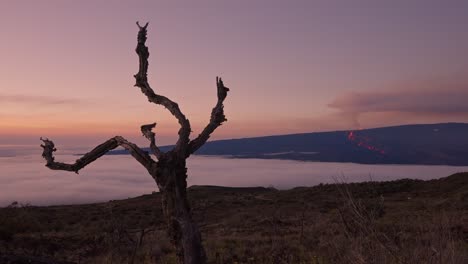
(66, 69)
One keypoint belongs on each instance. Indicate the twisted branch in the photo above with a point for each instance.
(140, 155)
(142, 83)
(216, 120)
(184, 147)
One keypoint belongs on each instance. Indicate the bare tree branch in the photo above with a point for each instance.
(169, 172)
(217, 118)
(142, 83)
(140, 155)
(149, 134)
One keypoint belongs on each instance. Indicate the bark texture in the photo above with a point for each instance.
(169, 170)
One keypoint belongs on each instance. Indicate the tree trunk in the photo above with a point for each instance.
(183, 232)
(169, 170)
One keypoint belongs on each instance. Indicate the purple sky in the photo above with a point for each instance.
(66, 69)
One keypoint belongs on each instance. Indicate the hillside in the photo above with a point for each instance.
(412, 220)
(434, 144)
(445, 144)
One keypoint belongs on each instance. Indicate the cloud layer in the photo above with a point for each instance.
(25, 179)
(444, 100)
(37, 99)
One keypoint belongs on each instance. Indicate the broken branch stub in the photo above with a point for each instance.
(150, 135)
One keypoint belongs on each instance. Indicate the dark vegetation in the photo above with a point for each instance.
(404, 221)
(441, 144)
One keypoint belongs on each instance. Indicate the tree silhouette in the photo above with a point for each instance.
(169, 171)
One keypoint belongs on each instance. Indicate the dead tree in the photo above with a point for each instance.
(169, 170)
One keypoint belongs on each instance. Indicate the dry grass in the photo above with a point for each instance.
(404, 221)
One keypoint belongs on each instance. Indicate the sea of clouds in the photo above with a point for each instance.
(24, 178)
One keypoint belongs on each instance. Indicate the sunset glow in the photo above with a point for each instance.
(292, 67)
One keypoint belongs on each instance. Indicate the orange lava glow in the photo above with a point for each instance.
(364, 142)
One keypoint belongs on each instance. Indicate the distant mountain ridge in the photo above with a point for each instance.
(431, 144)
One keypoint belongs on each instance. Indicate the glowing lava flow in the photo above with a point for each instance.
(363, 142)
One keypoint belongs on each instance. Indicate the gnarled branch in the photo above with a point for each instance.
(217, 118)
(140, 155)
(142, 83)
(149, 134)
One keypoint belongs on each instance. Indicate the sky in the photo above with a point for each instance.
(66, 67)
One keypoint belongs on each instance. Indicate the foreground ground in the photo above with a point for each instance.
(405, 221)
